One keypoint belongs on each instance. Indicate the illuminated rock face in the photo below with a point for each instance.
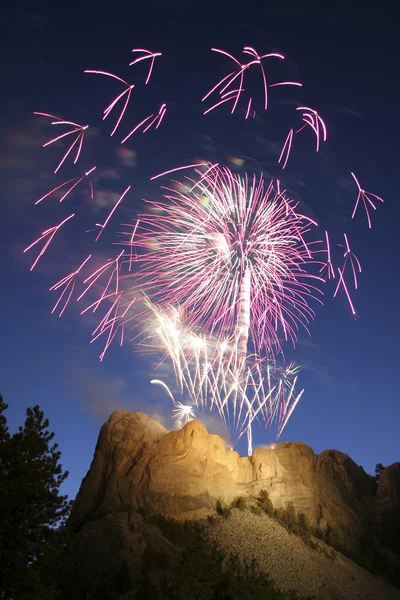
(139, 466)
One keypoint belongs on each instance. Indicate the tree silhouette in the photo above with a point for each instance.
(32, 510)
(378, 471)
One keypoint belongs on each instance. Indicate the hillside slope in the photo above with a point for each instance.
(295, 566)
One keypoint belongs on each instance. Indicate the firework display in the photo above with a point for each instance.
(219, 272)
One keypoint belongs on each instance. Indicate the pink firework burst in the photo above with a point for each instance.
(228, 88)
(327, 269)
(77, 129)
(67, 284)
(72, 183)
(148, 122)
(311, 119)
(233, 254)
(147, 55)
(351, 259)
(367, 198)
(127, 93)
(49, 234)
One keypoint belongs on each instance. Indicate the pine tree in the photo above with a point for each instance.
(378, 471)
(32, 510)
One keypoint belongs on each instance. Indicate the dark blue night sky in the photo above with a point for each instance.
(348, 62)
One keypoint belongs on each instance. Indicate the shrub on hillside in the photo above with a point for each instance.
(240, 502)
(265, 503)
(256, 509)
(223, 511)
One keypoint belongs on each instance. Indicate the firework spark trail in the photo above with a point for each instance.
(103, 225)
(330, 271)
(315, 121)
(49, 233)
(209, 166)
(284, 400)
(155, 118)
(346, 290)
(204, 370)
(78, 129)
(198, 254)
(183, 413)
(366, 200)
(164, 385)
(312, 119)
(130, 243)
(223, 86)
(74, 181)
(293, 406)
(128, 91)
(112, 320)
(148, 55)
(115, 318)
(287, 146)
(113, 265)
(349, 257)
(67, 282)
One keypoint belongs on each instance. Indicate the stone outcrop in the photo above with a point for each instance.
(139, 465)
(141, 469)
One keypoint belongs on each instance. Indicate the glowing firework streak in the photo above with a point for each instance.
(366, 200)
(183, 413)
(293, 406)
(204, 370)
(209, 168)
(130, 243)
(243, 325)
(287, 146)
(223, 86)
(112, 265)
(112, 320)
(128, 91)
(342, 281)
(315, 121)
(311, 119)
(75, 181)
(330, 272)
(154, 119)
(78, 129)
(114, 323)
(349, 257)
(67, 282)
(148, 55)
(164, 385)
(103, 225)
(49, 233)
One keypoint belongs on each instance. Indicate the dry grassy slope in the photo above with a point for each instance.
(294, 565)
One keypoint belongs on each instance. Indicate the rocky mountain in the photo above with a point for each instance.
(139, 468)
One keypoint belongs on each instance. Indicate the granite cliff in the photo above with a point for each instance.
(141, 468)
